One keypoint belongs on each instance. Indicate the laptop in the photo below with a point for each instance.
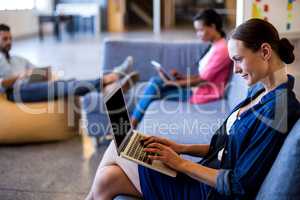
(42, 74)
(126, 139)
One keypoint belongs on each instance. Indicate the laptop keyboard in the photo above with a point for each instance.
(136, 150)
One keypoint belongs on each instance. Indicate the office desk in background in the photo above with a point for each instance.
(57, 21)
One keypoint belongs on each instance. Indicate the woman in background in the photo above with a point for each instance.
(214, 71)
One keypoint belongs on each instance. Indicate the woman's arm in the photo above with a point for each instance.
(169, 157)
(200, 150)
(188, 81)
(199, 172)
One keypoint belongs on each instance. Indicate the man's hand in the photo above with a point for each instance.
(25, 74)
(9, 82)
(169, 143)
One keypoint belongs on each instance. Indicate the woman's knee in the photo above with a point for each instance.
(156, 80)
(104, 181)
(103, 186)
(155, 85)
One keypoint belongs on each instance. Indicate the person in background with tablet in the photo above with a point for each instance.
(15, 70)
(208, 85)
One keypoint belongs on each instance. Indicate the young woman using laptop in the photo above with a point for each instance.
(241, 152)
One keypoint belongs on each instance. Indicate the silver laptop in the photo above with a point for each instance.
(126, 139)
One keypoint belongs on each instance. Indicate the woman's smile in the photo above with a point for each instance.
(245, 76)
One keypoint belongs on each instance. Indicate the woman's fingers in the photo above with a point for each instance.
(153, 139)
(156, 145)
(150, 140)
(147, 140)
(151, 150)
(155, 148)
(174, 72)
(158, 151)
(156, 157)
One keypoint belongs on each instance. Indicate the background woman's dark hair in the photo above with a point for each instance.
(4, 27)
(210, 17)
(255, 32)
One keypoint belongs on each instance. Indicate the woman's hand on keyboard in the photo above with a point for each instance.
(166, 155)
(169, 143)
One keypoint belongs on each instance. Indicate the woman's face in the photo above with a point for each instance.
(204, 32)
(253, 66)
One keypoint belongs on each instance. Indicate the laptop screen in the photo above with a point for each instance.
(117, 112)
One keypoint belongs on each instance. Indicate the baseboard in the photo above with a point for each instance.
(29, 36)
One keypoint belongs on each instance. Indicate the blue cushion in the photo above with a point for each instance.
(93, 114)
(283, 180)
(92, 102)
(96, 124)
(184, 122)
(179, 55)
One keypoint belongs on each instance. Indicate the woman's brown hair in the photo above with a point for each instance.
(254, 32)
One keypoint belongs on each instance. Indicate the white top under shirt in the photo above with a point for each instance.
(16, 65)
(204, 60)
(230, 121)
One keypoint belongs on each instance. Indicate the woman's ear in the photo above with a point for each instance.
(266, 51)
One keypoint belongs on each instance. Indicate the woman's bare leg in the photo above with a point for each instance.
(110, 174)
(110, 78)
(118, 72)
(109, 182)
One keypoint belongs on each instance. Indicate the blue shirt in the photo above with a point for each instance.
(250, 149)
(253, 143)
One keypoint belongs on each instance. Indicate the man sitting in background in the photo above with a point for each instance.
(15, 70)
(13, 67)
